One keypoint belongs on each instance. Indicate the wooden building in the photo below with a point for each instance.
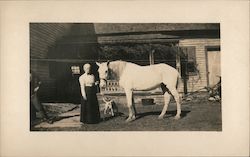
(58, 51)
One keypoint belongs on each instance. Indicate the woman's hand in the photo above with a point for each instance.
(36, 89)
(84, 97)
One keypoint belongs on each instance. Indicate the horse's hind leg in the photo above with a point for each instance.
(133, 105)
(167, 97)
(176, 96)
(129, 96)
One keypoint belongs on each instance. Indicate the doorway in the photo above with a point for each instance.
(213, 56)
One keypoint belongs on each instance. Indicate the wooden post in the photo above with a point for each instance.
(178, 67)
(178, 59)
(151, 57)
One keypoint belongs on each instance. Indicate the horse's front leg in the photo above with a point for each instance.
(129, 95)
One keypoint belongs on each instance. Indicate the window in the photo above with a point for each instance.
(75, 69)
(188, 60)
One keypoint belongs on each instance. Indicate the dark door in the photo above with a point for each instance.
(67, 84)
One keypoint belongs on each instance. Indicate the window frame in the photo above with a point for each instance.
(75, 68)
(188, 61)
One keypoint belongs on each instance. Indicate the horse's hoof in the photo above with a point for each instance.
(160, 117)
(133, 118)
(177, 117)
(130, 119)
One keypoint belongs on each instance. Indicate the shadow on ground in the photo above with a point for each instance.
(168, 114)
(55, 119)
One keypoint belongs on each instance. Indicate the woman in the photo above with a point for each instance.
(90, 113)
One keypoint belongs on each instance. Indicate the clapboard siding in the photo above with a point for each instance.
(42, 36)
(195, 82)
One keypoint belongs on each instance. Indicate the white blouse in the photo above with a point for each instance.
(87, 80)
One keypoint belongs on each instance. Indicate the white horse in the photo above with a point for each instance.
(134, 77)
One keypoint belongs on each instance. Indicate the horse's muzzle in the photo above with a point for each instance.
(103, 83)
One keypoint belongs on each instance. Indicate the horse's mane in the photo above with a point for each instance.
(117, 67)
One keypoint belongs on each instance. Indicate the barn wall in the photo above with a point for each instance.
(197, 82)
(42, 37)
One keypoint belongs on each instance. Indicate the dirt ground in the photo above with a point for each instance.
(198, 114)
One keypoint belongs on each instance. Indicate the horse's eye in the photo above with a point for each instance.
(106, 72)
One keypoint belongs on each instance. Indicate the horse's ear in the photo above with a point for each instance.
(98, 64)
(108, 63)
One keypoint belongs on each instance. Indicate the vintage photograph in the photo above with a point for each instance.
(125, 77)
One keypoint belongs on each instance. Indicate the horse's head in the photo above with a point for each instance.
(104, 72)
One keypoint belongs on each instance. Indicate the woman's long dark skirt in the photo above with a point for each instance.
(90, 113)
